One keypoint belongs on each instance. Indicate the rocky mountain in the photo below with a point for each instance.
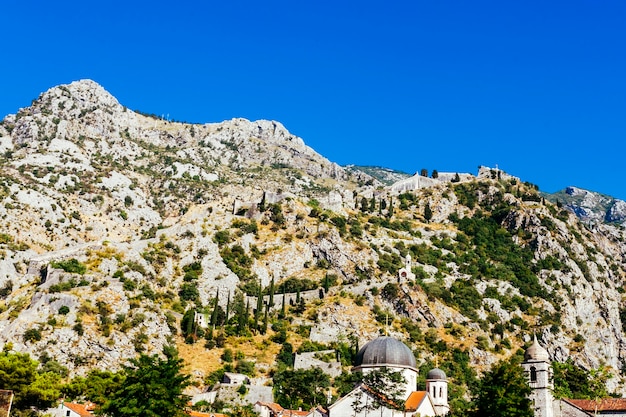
(116, 227)
(384, 175)
(591, 206)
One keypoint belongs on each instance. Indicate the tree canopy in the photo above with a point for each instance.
(388, 384)
(503, 392)
(571, 381)
(153, 387)
(18, 372)
(304, 388)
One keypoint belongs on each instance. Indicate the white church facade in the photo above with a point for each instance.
(387, 353)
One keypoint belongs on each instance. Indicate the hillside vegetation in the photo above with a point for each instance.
(117, 228)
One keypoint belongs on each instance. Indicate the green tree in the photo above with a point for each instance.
(98, 386)
(571, 381)
(304, 388)
(262, 205)
(503, 392)
(259, 306)
(18, 372)
(153, 387)
(390, 210)
(44, 391)
(364, 205)
(71, 266)
(271, 293)
(187, 325)
(428, 213)
(215, 314)
(424, 172)
(385, 383)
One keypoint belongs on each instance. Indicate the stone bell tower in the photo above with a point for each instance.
(538, 372)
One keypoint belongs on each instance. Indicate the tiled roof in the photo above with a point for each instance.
(80, 409)
(415, 399)
(199, 414)
(289, 413)
(275, 408)
(605, 404)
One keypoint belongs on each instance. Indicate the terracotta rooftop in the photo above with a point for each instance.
(288, 413)
(81, 409)
(275, 408)
(605, 404)
(415, 399)
(199, 414)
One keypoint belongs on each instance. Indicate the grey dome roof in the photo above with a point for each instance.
(385, 351)
(436, 374)
(536, 352)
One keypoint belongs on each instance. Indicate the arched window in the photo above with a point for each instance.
(434, 392)
(533, 374)
(440, 392)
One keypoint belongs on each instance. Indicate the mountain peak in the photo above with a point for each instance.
(82, 93)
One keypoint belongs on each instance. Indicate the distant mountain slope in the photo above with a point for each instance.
(590, 206)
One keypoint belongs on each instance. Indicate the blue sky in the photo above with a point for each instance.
(537, 87)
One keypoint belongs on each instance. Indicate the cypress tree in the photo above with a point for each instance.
(271, 300)
(283, 307)
(259, 305)
(364, 205)
(215, 307)
(262, 203)
(265, 319)
(428, 213)
(227, 309)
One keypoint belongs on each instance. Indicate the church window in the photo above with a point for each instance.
(440, 392)
(533, 374)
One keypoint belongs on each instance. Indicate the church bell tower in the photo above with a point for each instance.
(538, 372)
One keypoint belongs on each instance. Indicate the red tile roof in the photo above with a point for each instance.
(289, 413)
(199, 414)
(415, 399)
(274, 407)
(80, 409)
(605, 404)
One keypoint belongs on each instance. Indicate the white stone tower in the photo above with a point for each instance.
(437, 388)
(539, 375)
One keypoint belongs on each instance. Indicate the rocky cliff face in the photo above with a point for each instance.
(591, 206)
(114, 224)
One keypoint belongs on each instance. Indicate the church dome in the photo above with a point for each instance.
(436, 374)
(385, 351)
(536, 352)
